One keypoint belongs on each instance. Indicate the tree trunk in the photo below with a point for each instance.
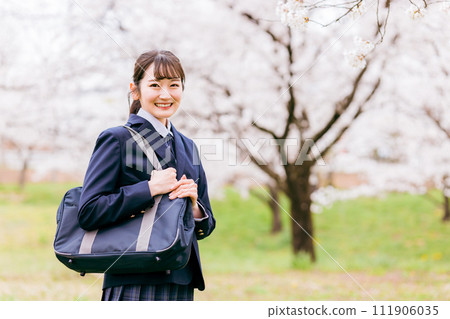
(23, 175)
(445, 192)
(446, 216)
(299, 192)
(273, 203)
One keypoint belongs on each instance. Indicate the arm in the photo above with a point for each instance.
(102, 202)
(199, 212)
(203, 226)
(198, 192)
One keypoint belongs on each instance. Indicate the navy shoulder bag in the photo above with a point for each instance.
(158, 239)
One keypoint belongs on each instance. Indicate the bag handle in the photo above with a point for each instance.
(148, 218)
(145, 147)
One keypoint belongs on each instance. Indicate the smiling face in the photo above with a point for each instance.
(160, 97)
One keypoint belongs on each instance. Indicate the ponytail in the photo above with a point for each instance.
(135, 106)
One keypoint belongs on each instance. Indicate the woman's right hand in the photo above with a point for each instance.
(162, 181)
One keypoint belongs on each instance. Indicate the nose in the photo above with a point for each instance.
(164, 93)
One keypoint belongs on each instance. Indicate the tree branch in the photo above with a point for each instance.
(355, 116)
(265, 168)
(349, 9)
(265, 130)
(256, 22)
(222, 87)
(341, 106)
(292, 102)
(436, 121)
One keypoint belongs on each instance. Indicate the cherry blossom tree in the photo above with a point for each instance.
(277, 121)
(55, 86)
(303, 114)
(405, 145)
(267, 104)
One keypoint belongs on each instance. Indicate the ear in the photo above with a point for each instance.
(134, 91)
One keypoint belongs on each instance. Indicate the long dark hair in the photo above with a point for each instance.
(166, 66)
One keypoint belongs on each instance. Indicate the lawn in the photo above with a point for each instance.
(395, 248)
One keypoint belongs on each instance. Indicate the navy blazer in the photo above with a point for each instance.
(116, 187)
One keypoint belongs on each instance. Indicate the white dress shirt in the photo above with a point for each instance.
(159, 127)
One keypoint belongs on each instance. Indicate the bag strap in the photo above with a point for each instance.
(148, 218)
(145, 147)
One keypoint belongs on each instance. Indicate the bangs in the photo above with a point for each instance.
(165, 68)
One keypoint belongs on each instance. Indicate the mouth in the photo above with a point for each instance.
(163, 106)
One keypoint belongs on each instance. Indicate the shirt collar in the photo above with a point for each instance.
(159, 127)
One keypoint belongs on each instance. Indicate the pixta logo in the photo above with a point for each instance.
(141, 151)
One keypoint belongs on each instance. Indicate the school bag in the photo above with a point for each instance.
(158, 239)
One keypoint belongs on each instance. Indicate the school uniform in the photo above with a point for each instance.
(116, 187)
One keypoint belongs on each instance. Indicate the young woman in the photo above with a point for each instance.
(116, 187)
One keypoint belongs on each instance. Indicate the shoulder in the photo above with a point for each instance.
(112, 137)
(117, 133)
(189, 144)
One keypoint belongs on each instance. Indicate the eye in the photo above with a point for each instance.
(175, 85)
(153, 85)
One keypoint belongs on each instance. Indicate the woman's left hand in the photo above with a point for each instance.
(185, 188)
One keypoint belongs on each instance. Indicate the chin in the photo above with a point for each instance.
(167, 113)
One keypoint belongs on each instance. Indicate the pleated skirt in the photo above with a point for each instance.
(163, 292)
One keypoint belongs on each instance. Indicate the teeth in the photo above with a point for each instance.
(163, 105)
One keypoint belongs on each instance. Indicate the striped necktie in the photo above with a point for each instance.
(168, 141)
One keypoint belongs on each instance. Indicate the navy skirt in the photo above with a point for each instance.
(163, 292)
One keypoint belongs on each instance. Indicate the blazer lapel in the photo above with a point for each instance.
(143, 127)
(180, 153)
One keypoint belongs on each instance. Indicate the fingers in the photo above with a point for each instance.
(162, 180)
(185, 190)
(183, 187)
(166, 173)
(172, 171)
(188, 193)
(170, 175)
(182, 181)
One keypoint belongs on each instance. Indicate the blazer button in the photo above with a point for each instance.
(132, 216)
(142, 211)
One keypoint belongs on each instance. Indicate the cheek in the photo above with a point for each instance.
(177, 96)
(151, 97)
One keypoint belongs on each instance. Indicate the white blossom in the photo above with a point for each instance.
(415, 12)
(445, 7)
(358, 10)
(409, 80)
(293, 14)
(357, 57)
(363, 46)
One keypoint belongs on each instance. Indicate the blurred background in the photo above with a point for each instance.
(324, 131)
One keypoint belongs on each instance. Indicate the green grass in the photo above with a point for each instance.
(396, 248)
(400, 232)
